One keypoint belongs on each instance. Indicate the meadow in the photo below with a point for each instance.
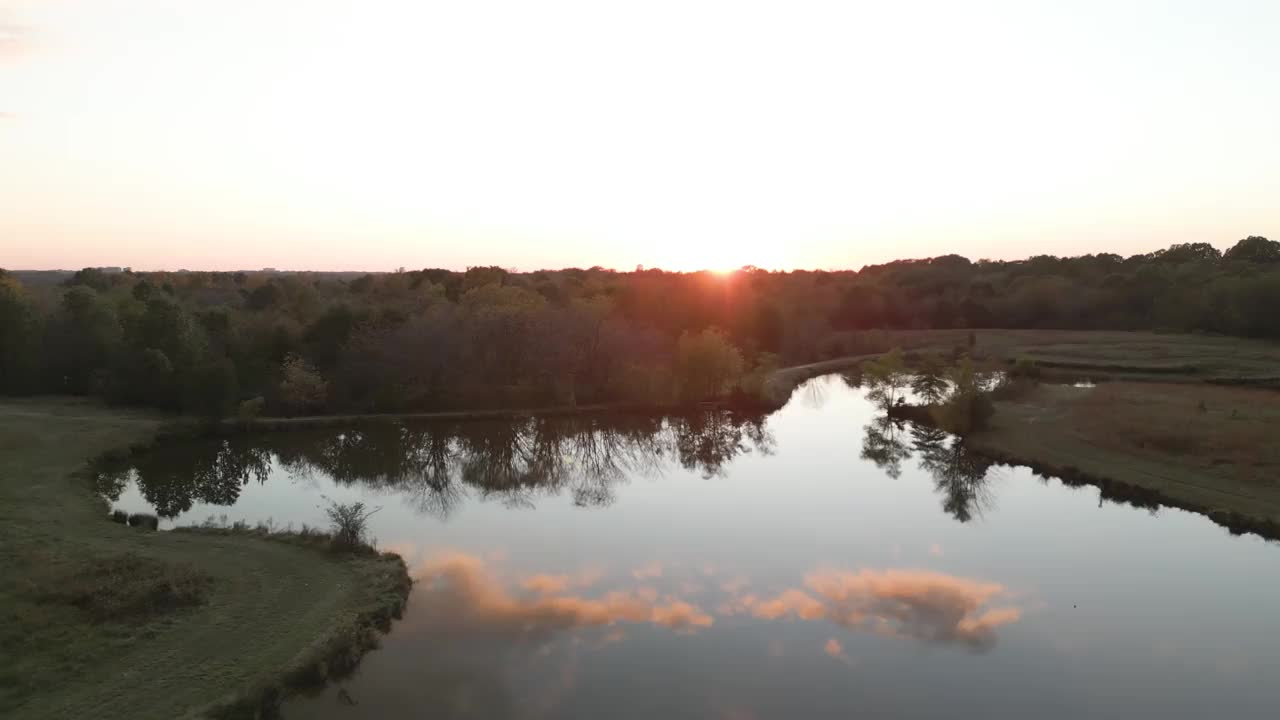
(106, 620)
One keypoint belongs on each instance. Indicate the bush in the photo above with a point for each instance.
(969, 406)
(302, 388)
(349, 526)
(144, 520)
(250, 409)
(120, 516)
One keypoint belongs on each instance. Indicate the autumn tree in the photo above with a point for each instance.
(302, 388)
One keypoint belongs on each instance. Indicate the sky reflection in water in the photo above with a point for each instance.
(821, 562)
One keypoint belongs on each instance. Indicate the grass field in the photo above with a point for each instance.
(103, 620)
(1207, 448)
(1098, 355)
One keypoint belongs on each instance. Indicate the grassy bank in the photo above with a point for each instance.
(108, 621)
(1209, 449)
(1204, 448)
(1063, 354)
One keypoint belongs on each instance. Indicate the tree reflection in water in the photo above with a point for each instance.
(960, 475)
(438, 464)
(884, 443)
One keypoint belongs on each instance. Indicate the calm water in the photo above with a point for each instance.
(814, 563)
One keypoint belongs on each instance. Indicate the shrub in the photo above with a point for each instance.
(120, 516)
(302, 388)
(250, 409)
(144, 520)
(969, 406)
(349, 526)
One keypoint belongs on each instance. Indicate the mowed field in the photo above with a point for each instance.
(1208, 448)
(100, 620)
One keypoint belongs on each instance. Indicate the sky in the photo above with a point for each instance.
(370, 135)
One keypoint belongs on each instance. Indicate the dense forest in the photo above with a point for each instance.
(219, 344)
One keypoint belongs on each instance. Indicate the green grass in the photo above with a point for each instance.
(103, 620)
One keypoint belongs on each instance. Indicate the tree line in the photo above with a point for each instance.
(292, 343)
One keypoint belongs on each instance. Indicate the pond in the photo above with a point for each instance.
(818, 562)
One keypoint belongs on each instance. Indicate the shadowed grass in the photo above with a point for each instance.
(101, 620)
(120, 588)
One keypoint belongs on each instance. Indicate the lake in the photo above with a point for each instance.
(819, 562)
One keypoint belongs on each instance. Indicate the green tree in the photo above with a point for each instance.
(968, 407)
(213, 390)
(1254, 249)
(707, 365)
(302, 388)
(929, 382)
(887, 378)
(83, 338)
(19, 333)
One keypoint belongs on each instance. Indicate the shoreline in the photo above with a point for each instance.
(1036, 433)
(277, 613)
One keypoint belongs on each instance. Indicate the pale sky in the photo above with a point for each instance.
(227, 134)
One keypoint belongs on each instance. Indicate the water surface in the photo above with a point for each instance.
(819, 562)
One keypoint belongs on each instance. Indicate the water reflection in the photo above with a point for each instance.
(172, 478)
(463, 594)
(434, 466)
(914, 604)
(884, 443)
(807, 584)
(460, 594)
(960, 476)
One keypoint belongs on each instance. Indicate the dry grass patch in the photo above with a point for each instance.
(1213, 427)
(121, 588)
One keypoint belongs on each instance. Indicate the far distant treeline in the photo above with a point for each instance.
(290, 343)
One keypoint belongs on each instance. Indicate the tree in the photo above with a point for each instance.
(1254, 249)
(19, 332)
(83, 338)
(302, 387)
(968, 407)
(930, 380)
(707, 364)
(213, 390)
(887, 378)
(1188, 252)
